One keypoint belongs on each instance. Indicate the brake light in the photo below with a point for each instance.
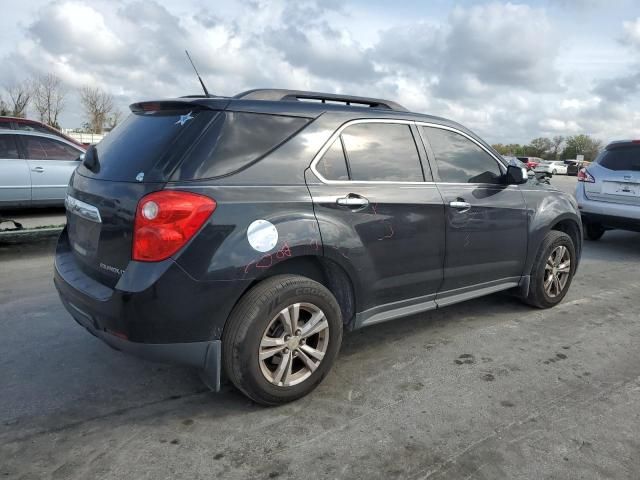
(585, 176)
(165, 221)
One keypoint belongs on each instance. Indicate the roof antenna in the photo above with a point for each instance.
(206, 92)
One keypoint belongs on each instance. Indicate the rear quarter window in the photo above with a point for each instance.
(623, 158)
(234, 141)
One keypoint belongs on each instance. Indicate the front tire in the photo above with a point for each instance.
(594, 231)
(281, 339)
(552, 271)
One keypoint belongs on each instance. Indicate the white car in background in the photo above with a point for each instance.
(555, 167)
(35, 168)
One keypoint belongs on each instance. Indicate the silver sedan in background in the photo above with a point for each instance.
(35, 168)
(555, 167)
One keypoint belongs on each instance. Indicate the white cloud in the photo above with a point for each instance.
(496, 67)
(632, 32)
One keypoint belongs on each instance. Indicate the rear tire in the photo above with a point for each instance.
(552, 271)
(262, 323)
(594, 231)
(555, 172)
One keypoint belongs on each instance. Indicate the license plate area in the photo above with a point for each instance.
(626, 189)
(84, 225)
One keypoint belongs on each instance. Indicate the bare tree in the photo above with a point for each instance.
(4, 108)
(48, 98)
(19, 98)
(556, 142)
(98, 105)
(114, 119)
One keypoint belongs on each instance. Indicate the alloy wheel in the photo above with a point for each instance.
(293, 344)
(557, 271)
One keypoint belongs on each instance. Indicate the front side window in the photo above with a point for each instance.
(460, 160)
(382, 152)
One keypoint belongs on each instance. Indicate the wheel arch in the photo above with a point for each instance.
(324, 271)
(571, 227)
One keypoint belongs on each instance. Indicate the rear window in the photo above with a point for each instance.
(234, 141)
(188, 144)
(623, 158)
(151, 143)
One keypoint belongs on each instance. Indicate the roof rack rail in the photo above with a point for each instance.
(277, 94)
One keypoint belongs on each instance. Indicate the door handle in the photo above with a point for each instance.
(38, 169)
(461, 206)
(352, 201)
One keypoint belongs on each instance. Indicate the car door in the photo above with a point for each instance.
(51, 163)
(379, 217)
(15, 180)
(486, 220)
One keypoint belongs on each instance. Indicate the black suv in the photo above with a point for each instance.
(245, 234)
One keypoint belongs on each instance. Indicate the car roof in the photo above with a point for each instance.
(622, 143)
(7, 131)
(21, 120)
(305, 103)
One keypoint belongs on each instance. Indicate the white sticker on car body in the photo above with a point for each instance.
(262, 235)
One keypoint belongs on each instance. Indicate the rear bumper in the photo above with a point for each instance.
(609, 214)
(155, 311)
(202, 355)
(609, 221)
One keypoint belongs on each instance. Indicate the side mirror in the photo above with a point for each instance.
(516, 175)
(81, 157)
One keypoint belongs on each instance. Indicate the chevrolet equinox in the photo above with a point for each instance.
(242, 235)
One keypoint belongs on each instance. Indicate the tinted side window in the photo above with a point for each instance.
(333, 165)
(382, 152)
(624, 158)
(235, 140)
(48, 149)
(459, 160)
(8, 147)
(56, 150)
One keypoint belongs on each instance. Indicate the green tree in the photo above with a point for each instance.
(539, 147)
(582, 145)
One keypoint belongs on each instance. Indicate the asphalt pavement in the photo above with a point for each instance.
(486, 389)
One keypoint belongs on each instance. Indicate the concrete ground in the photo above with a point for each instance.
(486, 389)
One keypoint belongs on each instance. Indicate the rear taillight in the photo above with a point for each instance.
(585, 176)
(166, 221)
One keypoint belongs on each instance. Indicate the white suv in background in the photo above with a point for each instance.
(608, 191)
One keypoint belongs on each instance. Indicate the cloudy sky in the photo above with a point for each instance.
(509, 71)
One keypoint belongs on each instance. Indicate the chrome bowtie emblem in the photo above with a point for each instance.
(184, 119)
(140, 177)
